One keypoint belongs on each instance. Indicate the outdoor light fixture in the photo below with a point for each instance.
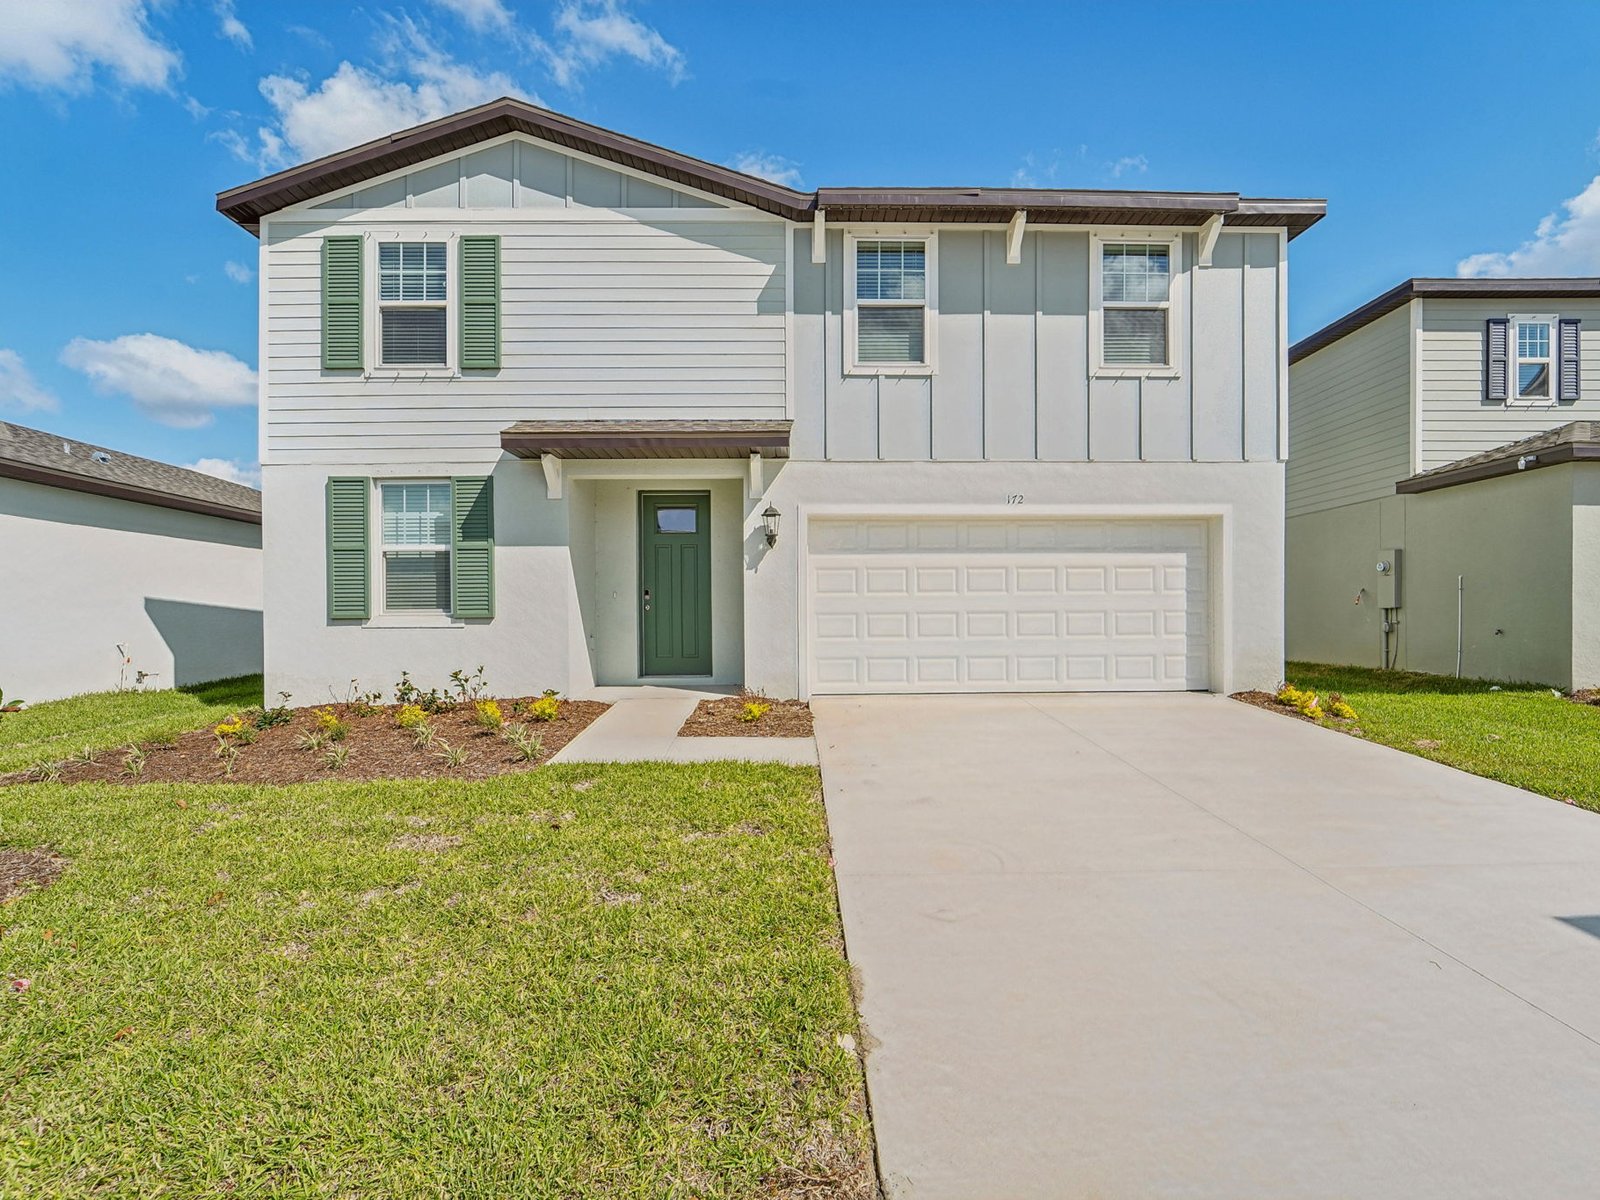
(770, 519)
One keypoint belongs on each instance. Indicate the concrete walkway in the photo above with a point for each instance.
(642, 726)
(1173, 946)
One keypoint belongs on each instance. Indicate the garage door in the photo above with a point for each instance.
(1043, 605)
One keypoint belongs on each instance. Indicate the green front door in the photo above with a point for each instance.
(674, 583)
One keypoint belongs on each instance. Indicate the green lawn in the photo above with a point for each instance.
(105, 720)
(1522, 734)
(621, 981)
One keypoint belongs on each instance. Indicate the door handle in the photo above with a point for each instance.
(647, 599)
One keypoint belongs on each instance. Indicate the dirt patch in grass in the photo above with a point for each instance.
(23, 871)
(721, 718)
(373, 747)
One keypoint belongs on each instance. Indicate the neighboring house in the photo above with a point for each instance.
(586, 411)
(1444, 429)
(121, 572)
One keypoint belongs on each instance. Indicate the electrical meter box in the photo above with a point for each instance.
(1386, 572)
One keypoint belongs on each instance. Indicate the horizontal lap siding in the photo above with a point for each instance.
(1014, 380)
(1457, 420)
(1350, 418)
(619, 319)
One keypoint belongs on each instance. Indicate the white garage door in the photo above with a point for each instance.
(1006, 605)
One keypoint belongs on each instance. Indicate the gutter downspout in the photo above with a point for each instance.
(1459, 584)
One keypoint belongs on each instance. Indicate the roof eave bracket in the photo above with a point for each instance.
(819, 237)
(552, 474)
(1209, 232)
(1014, 231)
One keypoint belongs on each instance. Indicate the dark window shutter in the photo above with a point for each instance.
(1569, 352)
(1497, 358)
(472, 546)
(480, 303)
(341, 303)
(349, 561)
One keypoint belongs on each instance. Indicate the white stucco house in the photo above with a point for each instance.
(1444, 482)
(121, 572)
(587, 411)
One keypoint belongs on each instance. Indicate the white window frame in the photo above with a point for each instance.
(380, 568)
(1173, 305)
(1514, 361)
(373, 307)
(930, 304)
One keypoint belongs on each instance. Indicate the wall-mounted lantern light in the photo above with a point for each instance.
(770, 519)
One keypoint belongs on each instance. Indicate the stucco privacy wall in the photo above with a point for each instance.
(1014, 382)
(182, 591)
(1513, 539)
(557, 563)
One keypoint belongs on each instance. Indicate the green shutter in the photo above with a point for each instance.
(480, 303)
(341, 303)
(472, 544)
(349, 562)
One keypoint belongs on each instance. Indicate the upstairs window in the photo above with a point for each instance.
(415, 527)
(412, 304)
(890, 293)
(1136, 304)
(1532, 369)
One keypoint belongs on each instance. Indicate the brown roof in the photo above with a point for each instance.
(1444, 289)
(249, 203)
(47, 458)
(647, 439)
(1573, 442)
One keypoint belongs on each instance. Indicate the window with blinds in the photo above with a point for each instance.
(891, 302)
(412, 303)
(1136, 304)
(414, 527)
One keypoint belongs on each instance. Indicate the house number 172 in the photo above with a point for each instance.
(1014, 497)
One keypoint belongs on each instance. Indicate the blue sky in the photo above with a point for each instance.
(1448, 138)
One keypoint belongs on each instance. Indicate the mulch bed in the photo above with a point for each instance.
(378, 749)
(1271, 703)
(1586, 696)
(720, 718)
(23, 871)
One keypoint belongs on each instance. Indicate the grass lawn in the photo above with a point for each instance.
(1521, 734)
(621, 981)
(105, 720)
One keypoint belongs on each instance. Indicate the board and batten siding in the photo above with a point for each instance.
(1457, 419)
(625, 317)
(1350, 417)
(1014, 382)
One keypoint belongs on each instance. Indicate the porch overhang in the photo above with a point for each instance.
(646, 439)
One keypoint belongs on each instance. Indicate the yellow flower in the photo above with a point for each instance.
(753, 710)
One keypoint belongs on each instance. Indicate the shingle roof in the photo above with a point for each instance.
(47, 458)
(248, 203)
(1443, 289)
(1572, 442)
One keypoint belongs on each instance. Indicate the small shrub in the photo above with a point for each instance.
(336, 757)
(487, 714)
(278, 714)
(753, 711)
(546, 708)
(410, 716)
(229, 754)
(430, 701)
(524, 741)
(45, 771)
(422, 736)
(133, 761)
(85, 757)
(236, 728)
(1339, 707)
(313, 739)
(451, 756)
(468, 687)
(10, 706)
(330, 724)
(1299, 699)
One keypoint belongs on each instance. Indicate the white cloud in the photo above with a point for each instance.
(230, 469)
(19, 390)
(1037, 170)
(768, 166)
(63, 44)
(1567, 243)
(167, 380)
(480, 15)
(238, 272)
(1128, 164)
(355, 105)
(590, 33)
(230, 27)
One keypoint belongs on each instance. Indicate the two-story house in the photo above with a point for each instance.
(1443, 509)
(590, 412)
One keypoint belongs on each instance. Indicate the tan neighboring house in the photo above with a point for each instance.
(1443, 483)
(121, 572)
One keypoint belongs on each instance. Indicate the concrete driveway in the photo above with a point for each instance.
(1173, 946)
